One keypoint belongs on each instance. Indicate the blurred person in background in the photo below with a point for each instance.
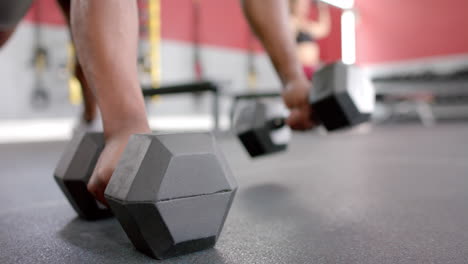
(307, 31)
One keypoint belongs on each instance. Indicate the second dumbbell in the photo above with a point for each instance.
(342, 97)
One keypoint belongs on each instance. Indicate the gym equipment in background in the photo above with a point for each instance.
(149, 43)
(40, 98)
(154, 37)
(75, 95)
(197, 62)
(252, 73)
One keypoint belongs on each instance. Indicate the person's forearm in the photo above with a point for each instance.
(105, 33)
(269, 19)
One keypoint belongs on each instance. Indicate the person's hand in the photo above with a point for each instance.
(296, 98)
(107, 162)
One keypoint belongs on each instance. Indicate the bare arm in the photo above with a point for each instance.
(270, 21)
(106, 34)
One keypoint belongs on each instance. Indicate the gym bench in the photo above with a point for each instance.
(189, 87)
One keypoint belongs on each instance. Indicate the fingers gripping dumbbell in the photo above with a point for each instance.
(171, 193)
(74, 170)
(341, 97)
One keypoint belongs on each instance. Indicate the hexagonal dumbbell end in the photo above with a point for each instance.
(342, 96)
(262, 129)
(74, 170)
(171, 193)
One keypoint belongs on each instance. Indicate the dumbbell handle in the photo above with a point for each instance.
(276, 123)
(279, 122)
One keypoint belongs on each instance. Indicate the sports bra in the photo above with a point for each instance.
(304, 37)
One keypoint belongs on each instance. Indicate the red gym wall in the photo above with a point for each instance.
(387, 30)
(391, 30)
(330, 47)
(222, 24)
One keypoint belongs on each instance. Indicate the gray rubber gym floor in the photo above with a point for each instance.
(396, 195)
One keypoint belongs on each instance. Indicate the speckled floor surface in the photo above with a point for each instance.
(396, 195)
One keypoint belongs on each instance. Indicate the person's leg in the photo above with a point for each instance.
(105, 33)
(11, 12)
(89, 101)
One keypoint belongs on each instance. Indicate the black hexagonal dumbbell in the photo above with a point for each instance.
(262, 129)
(74, 170)
(342, 96)
(171, 193)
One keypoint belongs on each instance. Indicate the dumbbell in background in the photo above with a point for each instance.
(341, 97)
(261, 127)
(171, 193)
